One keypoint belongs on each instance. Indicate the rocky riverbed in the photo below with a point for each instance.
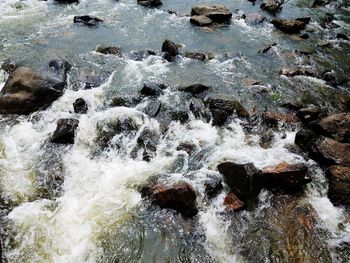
(155, 131)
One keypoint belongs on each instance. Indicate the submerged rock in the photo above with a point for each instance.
(254, 18)
(232, 203)
(195, 55)
(80, 106)
(153, 107)
(271, 6)
(67, 1)
(27, 91)
(65, 131)
(87, 20)
(288, 177)
(150, 3)
(125, 101)
(109, 50)
(212, 186)
(142, 54)
(217, 13)
(180, 196)
(290, 26)
(148, 140)
(339, 184)
(151, 89)
(195, 89)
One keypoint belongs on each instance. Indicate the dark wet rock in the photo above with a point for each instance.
(339, 184)
(170, 12)
(254, 18)
(27, 91)
(288, 177)
(330, 77)
(271, 6)
(148, 140)
(141, 55)
(9, 66)
(170, 47)
(80, 106)
(232, 203)
(109, 50)
(200, 20)
(65, 131)
(342, 36)
(125, 101)
(336, 126)
(267, 49)
(87, 20)
(221, 107)
(217, 13)
(67, 1)
(267, 138)
(271, 119)
(213, 186)
(150, 3)
(181, 197)
(89, 78)
(304, 139)
(151, 89)
(290, 26)
(195, 55)
(188, 147)
(319, 3)
(244, 179)
(292, 105)
(328, 151)
(195, 89)
(153, 107)
(309, 114)
(198, 109)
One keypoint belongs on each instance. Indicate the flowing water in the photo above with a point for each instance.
(81, 203)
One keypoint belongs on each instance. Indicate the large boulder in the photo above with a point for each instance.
(288, 177)
(329, 151)
(336, 126)
(217, 13)
(244, 179)
(27, 91)
(65, 131)
(180, 196)
(290, 26)
(339, 184)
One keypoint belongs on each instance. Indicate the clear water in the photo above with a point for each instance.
(97, 214)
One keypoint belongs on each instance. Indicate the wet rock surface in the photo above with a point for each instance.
(65, 131)
(80, 106)
(339, 184)
(289, 25)
(87, 20)
(232, 203)
(150, 3)
(109, 50)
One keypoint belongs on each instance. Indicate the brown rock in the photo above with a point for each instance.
(200, 20)
(217, 13)
(181, 197)
(339, 184)
(232, 203)
(290, 26)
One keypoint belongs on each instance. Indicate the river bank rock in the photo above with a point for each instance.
(232, 203)
(289, 177)
(65, 131)
(339, 184)
(87, 20)
(80, 106)
(290, 26)
(221, 107)
(336, 126)
(180, 197)
(204, 15)
(27, 91)
(150, 3)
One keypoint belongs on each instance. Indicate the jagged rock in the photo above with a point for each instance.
(80, 106)
(87, 20)
(195, 89)
(27, 91)
(254, 18)
(288, 177)
(180, 196)
(195, 55)
(153, 107)
(141, 55)
(151, 89)
(329, 151)
(221, 107)
(65, 131)
(339, 184)
(150, 3)
(244, 179)
(290, 26)
(309, 114)
(336, 126)
(201, 20)
(109, 50)
(271, 6)
(125, 101)
(232, 203)
(217, 13)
